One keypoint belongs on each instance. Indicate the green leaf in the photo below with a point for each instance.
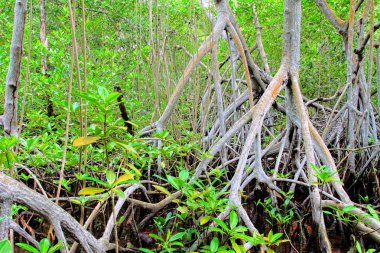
(94, 179)
(177, 244)
(156, 237)
(112, 97)
(236, 247)
(125, 146)
(123, 178)
(75, 106)
(174, 182)
(90, 98)
(110, 176)
(203, 220)
(162, 189)
(119, 193)
(327, 212)
(240, 229)
(28, 247)
(184, 175)
(275, 237)
(176, 236)
(252, 239)
(91, 191)
(170, 249)
(56, 247)
(103, 92)
(120, 220)
(182, 209)
(145, 250)
(234, 219)
(132, 167)
(85, 140)
(373, 212)
(5, 246)
(348, 208)
(358, 247)
(214, 245)
(270, 235)
(76, 202)
(44, 245)
(221, 224)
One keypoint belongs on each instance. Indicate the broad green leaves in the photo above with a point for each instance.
(5, 246)
(324, 174)
(112, 181)
(103, 100)
(111, 177)
(7, 156)
(44, 247)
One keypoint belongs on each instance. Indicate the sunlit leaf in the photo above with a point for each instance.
(76, 202)
(91, 191)
(119, 193)
(103, 92)
(348, 208)
(204, 220)
(120, 220)
(123, 178)
(214, 244)
(175, 182)
(275, 237)
(125, 146)
(182, 209)
(234, 219)
(146, 250)
(44, 245)
(373, 212)
(27, 247)
(110, 176)
(94, 179)
(176, 236)
(85, 140)
(236, 247)
(177, 201)
(112, 97)
(221, 223)
(132, 167)
(56, 247)
(184, 175)
(358, 247)
(156, 237)
(162, 189)
(5, 246)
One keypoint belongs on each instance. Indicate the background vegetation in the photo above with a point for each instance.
(146, 65)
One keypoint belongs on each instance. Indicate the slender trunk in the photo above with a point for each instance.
(350, 81)
(27, 74)
(43, 38)
(14, 70)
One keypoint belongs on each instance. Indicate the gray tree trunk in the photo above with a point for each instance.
(13, 76)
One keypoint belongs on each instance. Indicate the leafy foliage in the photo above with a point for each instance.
(144, 61)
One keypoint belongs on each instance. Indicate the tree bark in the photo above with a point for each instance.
(14, 70)
(11, 190)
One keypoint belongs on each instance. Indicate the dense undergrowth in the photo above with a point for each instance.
(144, 68)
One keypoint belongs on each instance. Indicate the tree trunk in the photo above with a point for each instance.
(13, 76)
